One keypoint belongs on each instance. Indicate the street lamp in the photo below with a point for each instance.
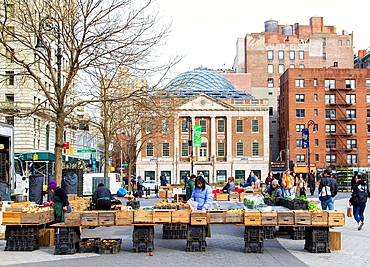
(309, 123)
(190, 142)
(40, 47)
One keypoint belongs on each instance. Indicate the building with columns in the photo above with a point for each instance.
(233, 137)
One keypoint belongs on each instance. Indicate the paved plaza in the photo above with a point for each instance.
(224, 248)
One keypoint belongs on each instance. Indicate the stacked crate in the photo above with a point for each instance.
(109, 246)
(196, 238)
(268, 232)
(174, 231)
(66, 240)
(3, 158)
(142, 238)
(297, 232)
(317, 239)
(20, 238)
(253, 238)
(89, 245)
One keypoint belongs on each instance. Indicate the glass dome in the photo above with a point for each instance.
(202, 80)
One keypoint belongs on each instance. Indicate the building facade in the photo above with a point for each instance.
(268, 54)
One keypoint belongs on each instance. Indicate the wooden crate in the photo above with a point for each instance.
(143, 216)
(319, 218)
(217, 216)
(199, 217)
(335, 240)
(233, 197)
(241, 197)
(180, 216)
(165, 193)
(285, 218)
(20, 204)
(302, 217)
(336, 218)
(90, 218)
(162, 216)
(222, 197)
(11, 217)
(234, 217)
(32, 218)
(252, 218)
(124, 217)
(106, 217)
(46, 237)
(72, 218)
(257, 191)
(269, 218)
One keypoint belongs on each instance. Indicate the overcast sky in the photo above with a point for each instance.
(205, 31)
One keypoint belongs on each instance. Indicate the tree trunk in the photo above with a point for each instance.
(58, 150)
(106, 158)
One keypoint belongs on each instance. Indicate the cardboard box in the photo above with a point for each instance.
(162, 216)
(124, 217)
(180, 216)
(46, 237)
(252, 218)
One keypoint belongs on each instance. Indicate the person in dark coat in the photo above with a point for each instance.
(230, 186)
(163, 180)
(311, 182)
(60, 199)
(102, 198)
(359, 195)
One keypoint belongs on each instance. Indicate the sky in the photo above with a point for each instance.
(205, 31)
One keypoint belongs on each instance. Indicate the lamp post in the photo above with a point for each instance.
(309, 123)
(190, 142)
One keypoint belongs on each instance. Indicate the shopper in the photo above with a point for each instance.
(202, 194)
(251, 179)
(190, 186)
(359, 195)
(311, 182)
(102, 198)
(269, 179)
(163, 180)
(353, 180)
(328, 189)
(60, 201)
(300, 185)
(230, 186)
(273, 189)
(288, 184)
(140, 186)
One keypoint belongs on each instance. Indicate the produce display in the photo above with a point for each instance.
(174, 206)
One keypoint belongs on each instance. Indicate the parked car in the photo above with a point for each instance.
(151, 184)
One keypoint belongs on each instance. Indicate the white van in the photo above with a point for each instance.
(92, 180)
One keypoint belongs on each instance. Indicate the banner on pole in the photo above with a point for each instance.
(305, 138)
(197, 135)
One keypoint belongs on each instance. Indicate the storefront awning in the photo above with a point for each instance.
(303, 169)
(45, 156)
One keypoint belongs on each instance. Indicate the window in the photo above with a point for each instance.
(220, 149)
(221, 126)
(351, 128)
(298, 143)
(368, 99)
(239, 149)
(317, 157)
(255, 149)
(330, 113)
(351, 84)
(301, 55)
(299, 98)
(165, 149)
(184, 126)
(9, 97)
(351, 159)
(314, 82)
(300, 158)
(301, 66)
(292, 66)
(368, 128)
(184, 149)
(270, 82)
(9, 77)
(368, 143)
(351, 143)
(330, 128)
(329, 83)
(299, 83)
(299, 127)
(281, 54)
(315, 97)
(348, 42)
(299, 113)
(315, 112)
(331, 143)
(329, 99)
(323, 41)
(271, 111)
(165, 126)
(239, 126)
(331, 158)
(203, 123)
(351, 113)
(351, 99)
(367, 83)
(270, 55)
(149, 150)
(9, 56)
(270, 68)
(324, 56)
(339, 42)
(291, 55)
(368, 113)
(255, 127)
(281, 68)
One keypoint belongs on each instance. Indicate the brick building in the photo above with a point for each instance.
(338, 102)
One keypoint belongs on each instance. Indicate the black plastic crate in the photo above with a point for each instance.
(143, 233)
(174, 234)
(268, 232)
(134, 204)
(174, 226)
(299, 205)
(320, 234)
(196, 233)
(317, 247)
(110, 246)
(256, 247)
(143, 246)
(65, 249)
(254, 234)
(195, 246)
(89, 245)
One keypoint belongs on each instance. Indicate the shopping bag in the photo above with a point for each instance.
(349, 211)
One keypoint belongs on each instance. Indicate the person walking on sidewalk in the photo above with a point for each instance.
(328, 189)
(311, 182)
(359, 195)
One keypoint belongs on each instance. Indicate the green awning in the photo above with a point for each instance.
(45, 156)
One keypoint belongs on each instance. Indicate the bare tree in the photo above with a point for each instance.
(79, 38)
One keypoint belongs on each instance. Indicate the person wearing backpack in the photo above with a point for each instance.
(359, 195)
(328, 189)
